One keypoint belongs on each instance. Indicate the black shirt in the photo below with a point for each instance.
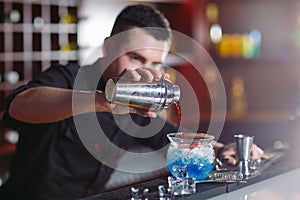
(51, 161)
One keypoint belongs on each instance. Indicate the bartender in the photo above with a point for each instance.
(50, 161)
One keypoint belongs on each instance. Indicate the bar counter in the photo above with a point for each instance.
(281, 165)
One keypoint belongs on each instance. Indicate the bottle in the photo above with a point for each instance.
(15, 16)
(238, 96)
(156, 95)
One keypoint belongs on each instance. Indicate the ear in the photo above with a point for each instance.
(106, 46)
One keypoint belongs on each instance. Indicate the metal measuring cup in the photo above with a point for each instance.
(243, 145)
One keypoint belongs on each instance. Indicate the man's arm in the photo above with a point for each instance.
(49, 104)
(45, 104)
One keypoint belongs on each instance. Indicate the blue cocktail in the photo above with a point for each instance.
(190, 155)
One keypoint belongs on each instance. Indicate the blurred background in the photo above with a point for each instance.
(254, 44)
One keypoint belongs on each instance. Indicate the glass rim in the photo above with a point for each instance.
(191, 136)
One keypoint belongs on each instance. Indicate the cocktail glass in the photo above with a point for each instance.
(190, 156)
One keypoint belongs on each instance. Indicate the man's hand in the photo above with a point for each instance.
(229, 153)
(147, 74)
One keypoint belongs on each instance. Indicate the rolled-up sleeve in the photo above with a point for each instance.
(55, 76)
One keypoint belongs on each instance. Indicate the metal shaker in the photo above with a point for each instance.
(156, 95)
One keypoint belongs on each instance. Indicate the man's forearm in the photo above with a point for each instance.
(48, 104)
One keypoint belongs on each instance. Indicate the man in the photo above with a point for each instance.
(51, 161)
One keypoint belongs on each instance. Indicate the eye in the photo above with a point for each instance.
(136, 58)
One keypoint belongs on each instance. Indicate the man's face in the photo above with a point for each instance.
(140, 49)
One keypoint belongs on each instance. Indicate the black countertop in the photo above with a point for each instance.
(271, 168)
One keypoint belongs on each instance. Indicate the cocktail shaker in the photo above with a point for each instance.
(156, 95)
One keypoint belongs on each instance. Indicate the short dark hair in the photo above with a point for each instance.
(142, 16)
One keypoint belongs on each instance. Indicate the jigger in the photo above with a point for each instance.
(243, 145)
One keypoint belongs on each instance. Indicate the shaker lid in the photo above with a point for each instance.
(110, 90)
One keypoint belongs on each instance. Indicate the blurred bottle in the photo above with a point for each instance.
(68, 18)
(68, 47)
(38, 22)
(238, 98)
(11, 77)
(15, 16)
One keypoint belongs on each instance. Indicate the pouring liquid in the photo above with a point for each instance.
(178, 108)
(187, 162)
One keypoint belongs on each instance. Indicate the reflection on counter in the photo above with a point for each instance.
(281, 187)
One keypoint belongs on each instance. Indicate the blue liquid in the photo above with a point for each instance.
(195, 167)
(199, 171)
